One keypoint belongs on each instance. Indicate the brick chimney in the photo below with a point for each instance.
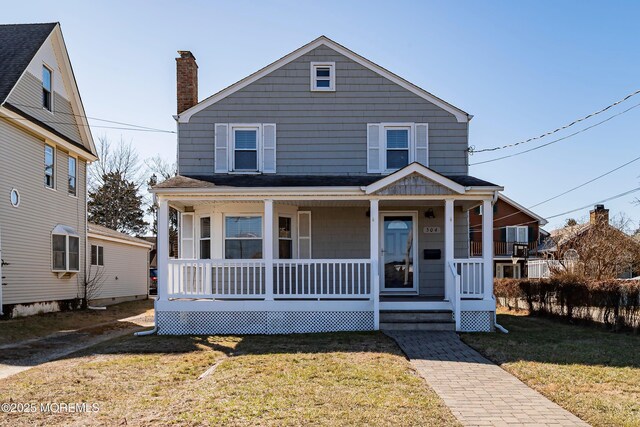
(599, 215)
(187, 80)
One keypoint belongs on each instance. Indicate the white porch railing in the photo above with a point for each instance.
(471, 274)
(291, 279)
(330, 278)
(216, 279)
(541, 268)
(455, 295)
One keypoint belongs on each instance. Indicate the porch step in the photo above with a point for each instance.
(417, 320)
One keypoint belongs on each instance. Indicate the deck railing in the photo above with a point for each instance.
(291, 279)
(500, 248)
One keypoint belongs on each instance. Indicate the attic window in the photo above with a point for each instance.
(46, 87)
(323, 76)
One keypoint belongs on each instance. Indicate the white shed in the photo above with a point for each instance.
(117, 266)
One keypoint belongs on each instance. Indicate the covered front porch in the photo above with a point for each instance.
(313, 260)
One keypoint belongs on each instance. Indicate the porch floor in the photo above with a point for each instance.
(409, 298)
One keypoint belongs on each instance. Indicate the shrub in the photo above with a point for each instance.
(615, 303)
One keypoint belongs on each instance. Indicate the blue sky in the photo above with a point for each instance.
(521, 68)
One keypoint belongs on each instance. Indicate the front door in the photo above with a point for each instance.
(398, 237)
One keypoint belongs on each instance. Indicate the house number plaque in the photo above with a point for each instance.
(431, 230)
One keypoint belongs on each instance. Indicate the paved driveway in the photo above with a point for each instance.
(478, 392)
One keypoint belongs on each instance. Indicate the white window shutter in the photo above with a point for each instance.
(222, 148)
(269, 148)
(374, 148)
(422, 144)
(304, 235)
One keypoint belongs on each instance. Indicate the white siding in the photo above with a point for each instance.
(125, 269)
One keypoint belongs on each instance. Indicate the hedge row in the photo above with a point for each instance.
(616, 303)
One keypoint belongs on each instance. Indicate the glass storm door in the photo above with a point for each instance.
(398, 252)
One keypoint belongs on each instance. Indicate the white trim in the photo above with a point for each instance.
(75, 175)
(97, 236)
(416, 259)
(314, 77)
(522, 209)
(419, 169)
(384, 127)
(461, 116)
(277, 238)
(198, 234)
(54, 178)
(48, 67)
(98, 247)
(231, 140)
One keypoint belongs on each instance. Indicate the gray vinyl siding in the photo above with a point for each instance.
(323, 133)
(125, 271)
(27, 96)
(26, 230)
(339, 232)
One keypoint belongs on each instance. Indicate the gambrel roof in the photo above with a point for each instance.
(460, 115)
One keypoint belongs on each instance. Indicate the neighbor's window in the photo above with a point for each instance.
(72, 176)
(285, 239)
(397, 146)
(243, 237)
(323, 77)
(245, 149)
(205, 237)
(97, 255)
(46, 88)
(49, 168)
(65, 244)
(517, 234)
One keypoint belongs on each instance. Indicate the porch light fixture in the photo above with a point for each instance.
(429, 213)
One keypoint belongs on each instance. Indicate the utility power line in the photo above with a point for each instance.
(588, 116)
(571, 189)
(557, 140)
(134, 126)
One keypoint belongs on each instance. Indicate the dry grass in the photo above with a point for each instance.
(41, 325)
(591, 372)
(325, 379)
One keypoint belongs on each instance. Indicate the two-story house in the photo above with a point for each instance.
(45, 144)
(321, 193)
(513, 226)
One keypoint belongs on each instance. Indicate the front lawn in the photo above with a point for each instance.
(40, 325)
(322, 379)
(589, 371)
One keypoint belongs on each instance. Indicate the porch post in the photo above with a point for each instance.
(162, 248)
(487, 247)
(268, 249)
(374, 246)
(448, 247)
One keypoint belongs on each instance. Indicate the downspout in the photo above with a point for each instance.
(495, 315)
(155, 323)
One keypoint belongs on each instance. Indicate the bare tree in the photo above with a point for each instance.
(93, 283)
(160, 170)
(603, 249)
(120, 158)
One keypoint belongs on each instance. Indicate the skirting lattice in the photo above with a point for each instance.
(476, 321)
(261, 322)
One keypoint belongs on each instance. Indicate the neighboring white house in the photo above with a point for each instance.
(322, 193)
(45, 146)
(117, 266)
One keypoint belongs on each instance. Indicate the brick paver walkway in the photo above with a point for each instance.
(478, 392)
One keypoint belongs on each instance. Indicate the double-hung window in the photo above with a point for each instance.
(517, 234)
(72, 176)
(285, 238)
(397, 147)
(49, 166)
(97, 255)
(245, 149)
(205, 237)
(46, 88)
(243, 237)
(65, 244)
(323, 76)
